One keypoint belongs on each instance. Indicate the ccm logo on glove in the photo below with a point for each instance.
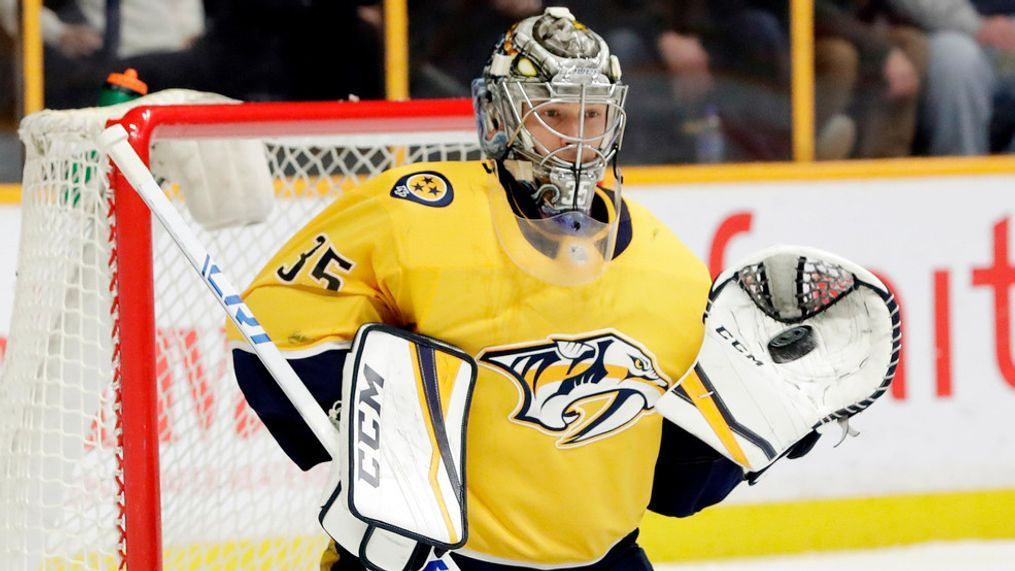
(725, 334)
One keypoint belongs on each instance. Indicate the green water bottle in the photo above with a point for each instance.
(122, 87)
(119, 88)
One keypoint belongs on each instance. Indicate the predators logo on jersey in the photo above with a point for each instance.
(580, 388)
(427, 187)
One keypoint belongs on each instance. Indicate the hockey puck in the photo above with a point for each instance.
(792, 344)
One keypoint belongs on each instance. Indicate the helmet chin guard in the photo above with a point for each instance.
(570, 248)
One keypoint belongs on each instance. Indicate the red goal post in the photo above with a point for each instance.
(166, 465)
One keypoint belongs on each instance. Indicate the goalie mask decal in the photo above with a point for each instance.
(428, 188)
(580, 388)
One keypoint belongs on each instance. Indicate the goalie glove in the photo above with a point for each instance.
(795, 338)
(398, 485)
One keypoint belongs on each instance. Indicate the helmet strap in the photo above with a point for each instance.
(521, 192)
(520, 169)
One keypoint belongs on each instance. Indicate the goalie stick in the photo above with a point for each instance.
(113, 141)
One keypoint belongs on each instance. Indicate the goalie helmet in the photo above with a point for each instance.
(550, 111)
(541, 63)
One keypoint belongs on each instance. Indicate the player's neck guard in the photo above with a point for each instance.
(570, 248)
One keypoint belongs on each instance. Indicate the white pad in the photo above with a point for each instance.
(794, 338)
(400, 481)
(224, 182)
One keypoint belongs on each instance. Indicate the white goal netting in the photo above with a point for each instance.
(230, 499)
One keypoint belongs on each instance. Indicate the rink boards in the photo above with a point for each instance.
(935, 459)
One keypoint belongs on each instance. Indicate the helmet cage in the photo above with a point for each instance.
(569, 182)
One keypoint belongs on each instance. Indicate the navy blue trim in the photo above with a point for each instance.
(622, 396)
(626, 555)
(681, 392)
(322, 375)
(689, 474)
(327, 505)
(716, 290)
(428, 370)
(370, 565)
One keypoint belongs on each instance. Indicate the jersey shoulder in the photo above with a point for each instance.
(415, 197)
(420, 187)
(658, 244)
(432, 214)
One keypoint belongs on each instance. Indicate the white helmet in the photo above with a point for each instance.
(540, 62)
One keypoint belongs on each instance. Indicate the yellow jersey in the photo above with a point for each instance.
(562, 437)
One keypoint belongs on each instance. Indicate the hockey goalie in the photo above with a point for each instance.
(494, 338)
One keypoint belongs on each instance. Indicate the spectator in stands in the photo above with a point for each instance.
(968, 91)
(282, 50)
(733, 56)
(449, 41)
(869, 67)
(253, 49)
(269, 50)
(80, 51)
(667, 47)
(694, 65)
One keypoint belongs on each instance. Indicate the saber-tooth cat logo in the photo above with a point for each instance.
(580, 388)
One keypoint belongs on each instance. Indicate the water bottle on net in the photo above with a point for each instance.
(122, 87)
(118, 88)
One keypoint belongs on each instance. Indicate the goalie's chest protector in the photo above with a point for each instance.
(562, 434)
(562, 437)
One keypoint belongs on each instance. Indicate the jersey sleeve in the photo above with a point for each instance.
(334, 274)
(690, 475)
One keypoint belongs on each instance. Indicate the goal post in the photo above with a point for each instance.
(124, 440)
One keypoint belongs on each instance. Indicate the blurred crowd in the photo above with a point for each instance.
(710, 79)
(249, 49)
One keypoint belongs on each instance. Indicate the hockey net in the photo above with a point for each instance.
(124, 440)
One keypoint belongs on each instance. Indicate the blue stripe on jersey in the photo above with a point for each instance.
(321, 373)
